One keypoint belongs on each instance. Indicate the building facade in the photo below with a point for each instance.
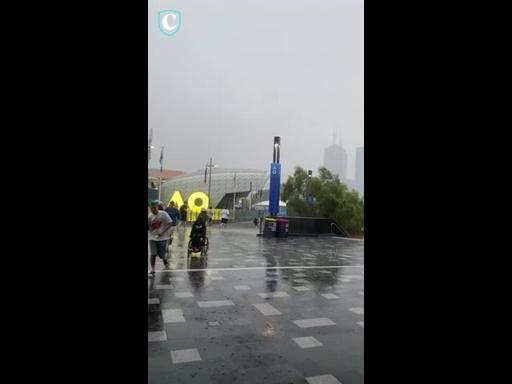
(335, 160)
(227, 184)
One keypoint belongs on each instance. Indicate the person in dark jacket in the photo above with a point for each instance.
(183, 214)
(198, 231)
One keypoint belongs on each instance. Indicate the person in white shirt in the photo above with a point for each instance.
(224, 215)
(159, 225)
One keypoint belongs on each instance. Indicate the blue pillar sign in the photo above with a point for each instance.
(275, 186)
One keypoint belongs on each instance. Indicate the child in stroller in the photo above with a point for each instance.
(198, 239)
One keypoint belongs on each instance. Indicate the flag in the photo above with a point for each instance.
(162, 160)
(205, 172)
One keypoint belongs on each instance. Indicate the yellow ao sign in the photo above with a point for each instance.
(196, 201)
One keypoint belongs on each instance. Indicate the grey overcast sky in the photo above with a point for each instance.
(240, 72)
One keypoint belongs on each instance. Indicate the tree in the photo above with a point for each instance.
(330, 198)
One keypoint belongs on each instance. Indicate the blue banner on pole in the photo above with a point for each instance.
(275, 186)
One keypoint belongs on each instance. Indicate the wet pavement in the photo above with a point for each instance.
(258, 310)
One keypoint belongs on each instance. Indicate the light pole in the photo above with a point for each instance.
(210, 182)
(309, 198)
(234, 199)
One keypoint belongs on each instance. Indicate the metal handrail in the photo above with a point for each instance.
(340, 231)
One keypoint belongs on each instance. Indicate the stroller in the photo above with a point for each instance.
(198, 239)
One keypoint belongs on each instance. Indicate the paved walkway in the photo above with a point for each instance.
(258, 311)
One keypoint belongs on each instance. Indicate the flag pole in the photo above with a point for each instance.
(160, 187)
(160, 177)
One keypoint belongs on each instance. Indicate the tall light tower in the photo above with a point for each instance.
(275, 179)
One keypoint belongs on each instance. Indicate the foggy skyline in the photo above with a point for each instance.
(239, 73)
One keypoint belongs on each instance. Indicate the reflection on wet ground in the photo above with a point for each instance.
(258, 310)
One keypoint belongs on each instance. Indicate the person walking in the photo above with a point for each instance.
(159, 223)
(224, 214)
(210, 216)
(183, 214)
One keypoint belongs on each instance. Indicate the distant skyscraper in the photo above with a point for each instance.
(335, 159)
(359, 180)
